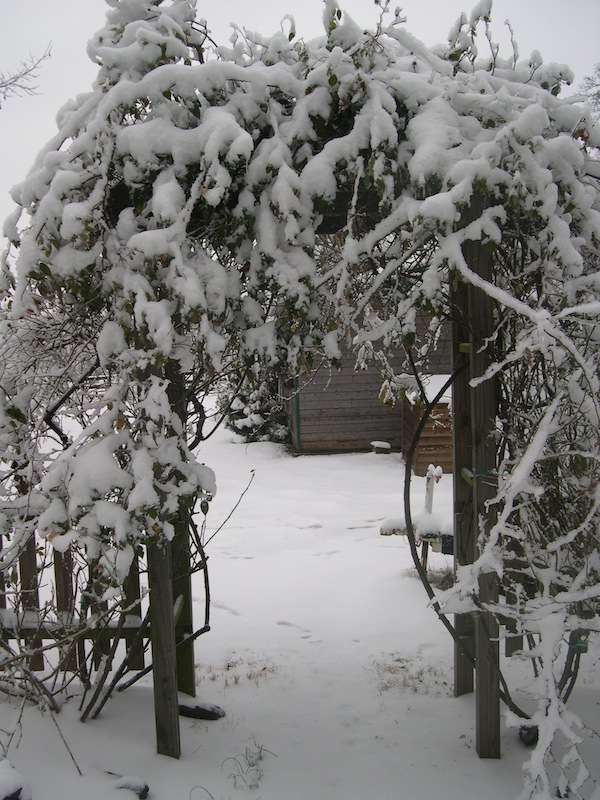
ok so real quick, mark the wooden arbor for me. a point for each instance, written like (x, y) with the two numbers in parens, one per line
(474, 411)
(94, 633)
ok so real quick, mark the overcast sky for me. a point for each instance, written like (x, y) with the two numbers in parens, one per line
(567, 31)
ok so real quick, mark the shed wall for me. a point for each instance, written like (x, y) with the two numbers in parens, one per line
(334, 410)
(340, 411)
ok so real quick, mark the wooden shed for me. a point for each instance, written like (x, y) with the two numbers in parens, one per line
(334, 411)
(338, 410)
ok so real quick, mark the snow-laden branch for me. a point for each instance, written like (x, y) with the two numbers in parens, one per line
(240, 214)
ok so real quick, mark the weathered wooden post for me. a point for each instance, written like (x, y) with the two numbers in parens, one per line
(181, 558)
(168, 594)
(162, 631)
(475, 409)
(28, 573)
(464, 540)
(132, 596)
(65, 601)
(169, 578)
(484, 411)
(182, 594)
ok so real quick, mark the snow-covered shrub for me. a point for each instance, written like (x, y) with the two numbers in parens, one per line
(176, 226)
(253, 406)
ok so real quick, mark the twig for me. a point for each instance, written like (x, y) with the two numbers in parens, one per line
(70, 752)
(131, 651)
(50, 412)
(146, 670)
(204, 568)
(102, 678)
(233, 510)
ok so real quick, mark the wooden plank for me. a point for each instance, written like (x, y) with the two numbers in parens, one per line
(315, 407)
(432, 439)
(343, 442)
(464, 539)
(63, 582)
(182, 592)
(101, 646)
(484, 409)
(28, 574)
(357, 423)
(487, 655)
(325, 428)
(181, 558)
(436, 436)
(327, 434)
(132, 600)
(343, 396)
(337, 448)
(166, 706)
(323, 381)
(345, 415)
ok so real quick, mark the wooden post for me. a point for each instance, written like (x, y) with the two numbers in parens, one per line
(63, 581)
(100, 643)
(484, 409)
(487, 690)
(182, 593)
(30, 598)
(182, 579)
(132, 599)
(162, 627)
(464, 540)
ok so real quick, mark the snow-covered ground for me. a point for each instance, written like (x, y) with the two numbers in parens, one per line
(335, 675)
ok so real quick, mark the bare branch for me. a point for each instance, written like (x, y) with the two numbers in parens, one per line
(23, 79)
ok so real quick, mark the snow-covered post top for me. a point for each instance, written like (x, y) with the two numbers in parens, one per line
(433, 476)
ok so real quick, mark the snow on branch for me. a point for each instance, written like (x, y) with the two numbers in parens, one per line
(241, 212)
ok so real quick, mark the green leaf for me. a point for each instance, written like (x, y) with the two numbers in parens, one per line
(409, 340)
(15, 413)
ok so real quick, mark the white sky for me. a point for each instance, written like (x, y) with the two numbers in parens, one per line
(566, 31)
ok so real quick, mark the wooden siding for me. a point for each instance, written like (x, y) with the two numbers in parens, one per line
(340, 411)
(435, 442)
(334, 410)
